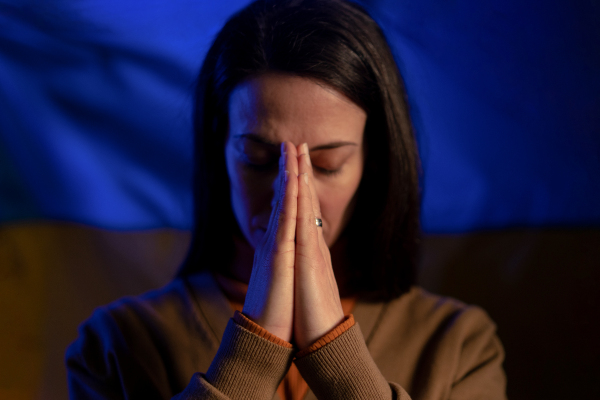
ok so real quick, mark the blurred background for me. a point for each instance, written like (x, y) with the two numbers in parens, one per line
(95, 169)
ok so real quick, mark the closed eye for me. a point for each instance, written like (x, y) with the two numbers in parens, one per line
(326, 172)
(259, 167)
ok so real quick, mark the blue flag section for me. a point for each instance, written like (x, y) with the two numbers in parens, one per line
(96, 102)
(506, 101)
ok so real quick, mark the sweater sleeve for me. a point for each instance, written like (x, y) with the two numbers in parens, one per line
(360, 379)
(102, 364)
(344, 369)
(471, 360)
(247, 366)
(253, 327)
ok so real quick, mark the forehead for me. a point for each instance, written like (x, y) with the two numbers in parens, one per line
(280, 107)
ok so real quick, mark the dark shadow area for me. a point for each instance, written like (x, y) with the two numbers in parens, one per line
(541, 288)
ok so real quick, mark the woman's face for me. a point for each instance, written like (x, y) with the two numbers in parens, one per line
(273, 108)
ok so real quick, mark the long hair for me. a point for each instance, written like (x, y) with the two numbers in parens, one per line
(338, 43)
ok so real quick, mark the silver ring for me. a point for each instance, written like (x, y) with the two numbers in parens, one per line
(319, 222)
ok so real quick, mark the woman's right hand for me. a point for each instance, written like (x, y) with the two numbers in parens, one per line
(270, 297)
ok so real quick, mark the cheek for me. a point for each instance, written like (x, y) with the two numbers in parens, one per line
(336, 199)
(238, 190)
(241, 197)
(250, 199)
(335, 203)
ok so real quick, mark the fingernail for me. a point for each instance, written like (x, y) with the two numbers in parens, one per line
(305, 148)
(287, 174)
(307, 158)
(305, 178)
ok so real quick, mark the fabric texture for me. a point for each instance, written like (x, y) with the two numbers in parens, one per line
(180, 342)
(248, 366)
(329, 337)
(293, 386)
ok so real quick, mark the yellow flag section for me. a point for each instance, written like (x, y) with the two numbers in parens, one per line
(540, 286)
(52, 276)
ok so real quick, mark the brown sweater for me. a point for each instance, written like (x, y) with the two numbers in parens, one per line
(293, 386)
(181, 340)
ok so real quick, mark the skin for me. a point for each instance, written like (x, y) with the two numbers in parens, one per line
(294, 152)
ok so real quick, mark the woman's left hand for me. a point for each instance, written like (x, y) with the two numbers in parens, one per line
(317, 306)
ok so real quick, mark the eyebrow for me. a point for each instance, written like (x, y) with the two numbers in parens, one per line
(327, 146)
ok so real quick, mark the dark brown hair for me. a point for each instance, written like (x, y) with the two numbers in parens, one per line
(338, 43)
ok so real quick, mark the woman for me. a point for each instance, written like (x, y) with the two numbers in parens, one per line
(307, 223)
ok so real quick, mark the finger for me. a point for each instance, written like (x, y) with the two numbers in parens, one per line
(288, 210)
(317, 306)
(307, 244)
(278, 196)
(270, 297)
(305, 166)
(283, 217)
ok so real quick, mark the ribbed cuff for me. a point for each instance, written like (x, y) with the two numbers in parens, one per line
(329, 337)
(255, 328)
(344, 369)
(248, 366)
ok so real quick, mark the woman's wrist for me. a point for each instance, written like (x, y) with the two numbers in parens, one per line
(246, 366)
(246, 323)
